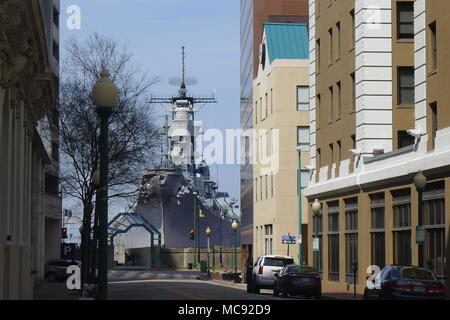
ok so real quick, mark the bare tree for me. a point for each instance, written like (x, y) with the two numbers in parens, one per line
(133, 136)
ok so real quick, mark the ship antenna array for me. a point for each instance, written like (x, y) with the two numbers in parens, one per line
(182, 93)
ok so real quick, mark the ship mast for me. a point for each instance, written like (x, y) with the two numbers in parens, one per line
(181, 133)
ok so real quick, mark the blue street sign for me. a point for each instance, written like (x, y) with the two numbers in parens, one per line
(288, 239)
(68, 250)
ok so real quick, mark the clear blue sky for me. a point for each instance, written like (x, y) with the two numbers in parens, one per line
(155, 30)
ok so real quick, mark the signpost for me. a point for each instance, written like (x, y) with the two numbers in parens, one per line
(316, 245)
(68, 251)
(288, 240)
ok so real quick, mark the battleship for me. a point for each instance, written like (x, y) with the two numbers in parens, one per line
(179, 196)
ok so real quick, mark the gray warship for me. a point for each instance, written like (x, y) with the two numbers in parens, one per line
(179, 195)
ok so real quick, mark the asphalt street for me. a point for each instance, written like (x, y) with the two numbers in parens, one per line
(160, 285)
(175, 285)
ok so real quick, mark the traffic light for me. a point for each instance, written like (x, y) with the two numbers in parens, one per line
(64, 233)
(191, 234)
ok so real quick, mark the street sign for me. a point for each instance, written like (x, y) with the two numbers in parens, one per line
(288, 239)
(316, 246)
(420, 235)
(68, 250)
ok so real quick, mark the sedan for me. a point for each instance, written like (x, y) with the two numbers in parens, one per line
(405, 283)
(298, 280)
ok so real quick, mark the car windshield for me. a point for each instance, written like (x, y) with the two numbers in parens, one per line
(298, 269)
(417, 274)
(277, 262)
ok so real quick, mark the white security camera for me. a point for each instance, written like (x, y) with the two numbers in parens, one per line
(356, 152)
(416, 133)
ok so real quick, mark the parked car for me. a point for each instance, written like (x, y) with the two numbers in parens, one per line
(263, 272)
(298, 280)
(56, 269)
(405, 283)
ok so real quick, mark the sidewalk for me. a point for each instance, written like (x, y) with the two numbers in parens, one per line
(330, 295)
(54, 291)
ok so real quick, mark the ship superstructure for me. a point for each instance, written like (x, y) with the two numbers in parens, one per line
(179, 194)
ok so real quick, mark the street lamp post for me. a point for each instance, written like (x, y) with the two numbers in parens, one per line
(420, 181)
(195, 193)
(234, 225)
(104, 95)
(316, 207)
(300, 218)
(208, 233)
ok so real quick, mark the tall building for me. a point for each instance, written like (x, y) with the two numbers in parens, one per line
(378, 99)
(253, 15)
(30, 203)
(281, 134)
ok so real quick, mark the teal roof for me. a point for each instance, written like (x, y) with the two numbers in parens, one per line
(287, 40)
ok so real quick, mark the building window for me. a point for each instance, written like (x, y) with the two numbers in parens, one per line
(269, 245)
(56, 17)
(333, 241)
(266, 106)
(55, 151)
(304, 179)
(271, 100)
(405, 20)
(402, 226)
(353, 106)
(318, 111)
(330, 43)
(432, 253)
(378, 244)
(433, 124)
(433, 47)
(318, 55)
(331, 146)
(339, 99)
(256, 112)
(351, 239)
(256, 189)
(338, 40)
(303, 137)
(268, 229)
(406, 86)
(56, 50)
(404, 139)
(271, 184)
(318, 237)
(51, 185)
(331, 111)
(261, 112)
(303, 98)
(353, 37)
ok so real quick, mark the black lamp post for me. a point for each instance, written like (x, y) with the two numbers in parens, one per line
(420, 181)
(234, 225)
(208, 233)
(105, 95)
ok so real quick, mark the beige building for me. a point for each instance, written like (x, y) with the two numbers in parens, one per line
(379, 115)
(281, 133)
(30, 204)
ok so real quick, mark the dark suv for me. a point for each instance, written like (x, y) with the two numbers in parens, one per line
(405, 283)
(56, 269)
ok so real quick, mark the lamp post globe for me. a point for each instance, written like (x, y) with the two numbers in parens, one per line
(234, 225)
(208, 231)
(316, 206)
(420, 181)
(105, 92)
